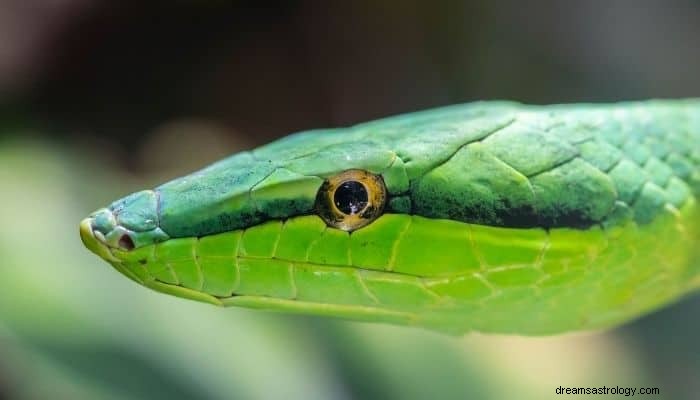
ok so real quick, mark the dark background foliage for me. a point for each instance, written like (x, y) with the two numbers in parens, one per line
(106, 97)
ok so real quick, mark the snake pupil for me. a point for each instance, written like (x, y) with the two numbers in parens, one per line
(351, 197)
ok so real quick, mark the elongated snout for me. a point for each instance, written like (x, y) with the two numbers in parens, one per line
(127, 223)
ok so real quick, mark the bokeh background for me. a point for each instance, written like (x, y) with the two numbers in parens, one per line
(99, 99)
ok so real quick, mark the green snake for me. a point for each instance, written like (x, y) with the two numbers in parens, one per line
(488, 216)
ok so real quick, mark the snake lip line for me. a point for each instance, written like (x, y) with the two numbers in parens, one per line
(90, 232)
(91, 240)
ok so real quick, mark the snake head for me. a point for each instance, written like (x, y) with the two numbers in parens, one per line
(486, 216)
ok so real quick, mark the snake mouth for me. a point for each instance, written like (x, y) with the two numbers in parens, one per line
(104, 226)
(94, 240)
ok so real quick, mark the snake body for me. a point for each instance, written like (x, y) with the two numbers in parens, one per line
(497, 217)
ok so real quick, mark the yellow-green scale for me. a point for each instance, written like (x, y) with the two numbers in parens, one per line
(474, 277)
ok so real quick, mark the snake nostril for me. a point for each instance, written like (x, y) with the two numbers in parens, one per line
(125, 242)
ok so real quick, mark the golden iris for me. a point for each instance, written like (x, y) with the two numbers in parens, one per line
(351, 199)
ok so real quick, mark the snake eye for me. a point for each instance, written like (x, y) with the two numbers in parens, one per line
(351, 199)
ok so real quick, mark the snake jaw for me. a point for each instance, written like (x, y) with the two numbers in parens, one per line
(94, 240)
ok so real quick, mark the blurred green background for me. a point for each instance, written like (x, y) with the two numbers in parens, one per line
(99, 99)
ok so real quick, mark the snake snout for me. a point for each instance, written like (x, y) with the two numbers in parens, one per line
(103, 221)
(104, 227)
(128, 223)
